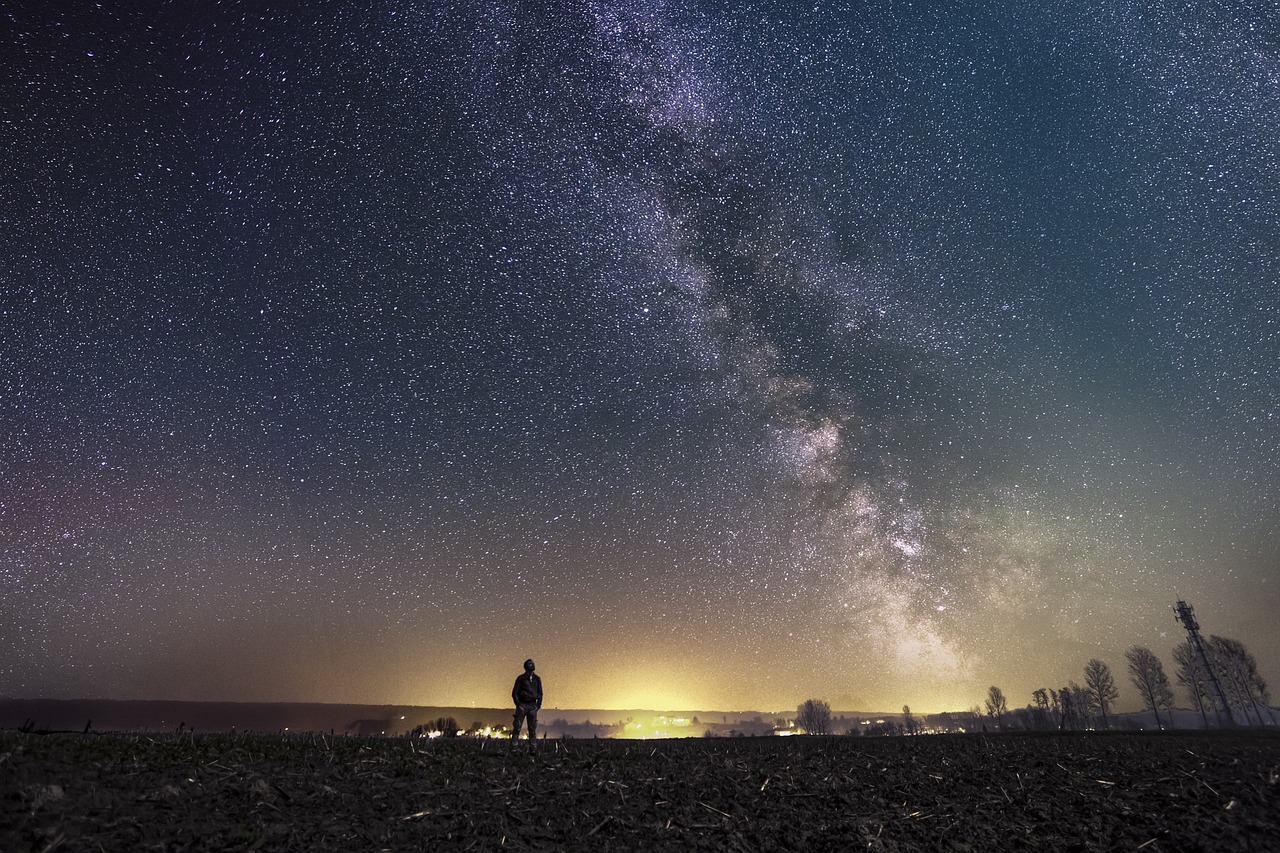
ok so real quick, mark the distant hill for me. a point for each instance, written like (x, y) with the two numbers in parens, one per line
(108, 715)
(159, 715)
(167, 716)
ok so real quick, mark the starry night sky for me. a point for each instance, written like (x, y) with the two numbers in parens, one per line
(715, 355)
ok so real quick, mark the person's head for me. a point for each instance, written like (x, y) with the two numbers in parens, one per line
(528, 665)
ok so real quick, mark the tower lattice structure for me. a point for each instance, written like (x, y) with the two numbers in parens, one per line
(1187, 616)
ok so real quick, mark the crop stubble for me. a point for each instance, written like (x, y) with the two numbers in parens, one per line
(1045, 792)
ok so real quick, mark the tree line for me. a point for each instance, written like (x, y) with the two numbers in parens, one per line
(1224, 683)
(1223, 686)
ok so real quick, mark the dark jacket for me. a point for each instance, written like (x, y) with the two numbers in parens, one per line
(528, 690)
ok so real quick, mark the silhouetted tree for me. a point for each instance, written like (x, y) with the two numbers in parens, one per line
(1042, 713)
(1238, 673)
(814, 716)
(1191, 675)
(1101, 686)
(1085, 706)
(1147, 674)
(908, 721)
(1056, 708)
(996, 704)
(1068, 718)
(1074, 706)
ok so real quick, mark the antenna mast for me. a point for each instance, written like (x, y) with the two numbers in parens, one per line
(1187, 616)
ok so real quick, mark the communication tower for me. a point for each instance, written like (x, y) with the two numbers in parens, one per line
(1187, 616)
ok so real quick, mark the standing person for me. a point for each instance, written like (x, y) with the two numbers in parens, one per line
(527, 694)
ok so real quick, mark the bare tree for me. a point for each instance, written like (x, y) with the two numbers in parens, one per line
(909, 723)
(1041, 697)
(1190, 674)
(997, 707)
(1147, 674)
(1083, 703)
(1058, 708)
(1068, 714)
(1238, 670)
(814, 716)
(1101, 686)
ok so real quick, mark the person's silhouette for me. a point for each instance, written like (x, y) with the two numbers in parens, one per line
(527, 694)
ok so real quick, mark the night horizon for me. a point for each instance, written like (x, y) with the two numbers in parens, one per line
(715, 357)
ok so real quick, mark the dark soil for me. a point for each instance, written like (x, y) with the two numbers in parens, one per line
(1151, 792)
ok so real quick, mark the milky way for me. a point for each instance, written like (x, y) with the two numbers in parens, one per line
(715, 355)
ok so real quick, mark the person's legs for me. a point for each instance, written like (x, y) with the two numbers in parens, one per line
(516, 720)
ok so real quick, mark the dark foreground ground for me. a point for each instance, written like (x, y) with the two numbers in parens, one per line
(1151, 792)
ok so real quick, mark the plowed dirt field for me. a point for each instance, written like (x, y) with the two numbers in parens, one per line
(1081, 792)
